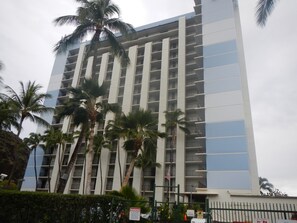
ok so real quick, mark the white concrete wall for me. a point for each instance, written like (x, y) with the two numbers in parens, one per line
(160, 172)
(113, 94)
(105, 152)
(181, 104)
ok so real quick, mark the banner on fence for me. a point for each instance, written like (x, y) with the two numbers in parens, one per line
(134, 214)
(190, 213)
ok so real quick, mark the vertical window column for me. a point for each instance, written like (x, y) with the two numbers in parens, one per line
(160, 172)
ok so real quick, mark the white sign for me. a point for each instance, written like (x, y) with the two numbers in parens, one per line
(134, 214)
(190, 213)
(197, 220)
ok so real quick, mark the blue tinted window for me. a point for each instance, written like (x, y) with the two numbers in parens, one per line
(227, 162)
(30, 171)
(59, 64)
(221, 129)
(219, 48)
(221, 72)
(223, 85)
(216, 10)
(226, 145)
(28, 183)
(220, 60)
(39, 157)
(51, 102)
(228, 180)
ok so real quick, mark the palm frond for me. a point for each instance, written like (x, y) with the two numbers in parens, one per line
(116, 47)
(67, 19)
(263, 10)
(111, 9)
(91, 87)
(115, 24)
(12, 95)
(1, 68)
(82, 1)
(78, 34)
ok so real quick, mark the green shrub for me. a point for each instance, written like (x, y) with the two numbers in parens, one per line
(5, 186)
(37, 207)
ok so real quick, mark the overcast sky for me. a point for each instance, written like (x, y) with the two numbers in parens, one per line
(27, 36)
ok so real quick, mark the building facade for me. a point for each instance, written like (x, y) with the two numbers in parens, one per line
(193, 62)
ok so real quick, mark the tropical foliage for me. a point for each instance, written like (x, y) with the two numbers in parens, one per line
(133, 200)
(100, 143)
(100, 18)
(174, 119)
(86, 109)
(55, 139)
(265, 186)
(8, 117)
(32, 142)
(14, 109)
(267, 189)
(263, 10)
(172, 214)
(14, 155)
(139, 130)
(48, 207)
(146, 160)
(28, 104)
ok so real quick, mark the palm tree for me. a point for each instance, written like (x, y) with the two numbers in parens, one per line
(99, 18)
(265, 186)
(130, 194)
(146, 160)
(263, 10)
(50, 143)
(28, 104)
(99, 143)
(174, 119)
(8, 118)
(139, 130)
(113, 133)
(86, 110)
(62, 140)
(14, 155)
(32, 142)
(55, 138)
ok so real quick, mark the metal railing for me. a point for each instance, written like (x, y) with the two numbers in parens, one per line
(249, 212)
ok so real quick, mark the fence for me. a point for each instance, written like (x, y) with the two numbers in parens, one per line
(250, 212)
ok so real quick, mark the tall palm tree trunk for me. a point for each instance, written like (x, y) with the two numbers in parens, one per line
(12, 169)
(119, 162)
(89, 160)
(129, 172)
(60, 157)
(60, 162)
(20, 126)
(49, 169)
(142, 183)
(35, 170)
(101, 178)
(172, 132)
(64, 178)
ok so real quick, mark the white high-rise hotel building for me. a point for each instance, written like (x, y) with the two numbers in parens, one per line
(193, 62)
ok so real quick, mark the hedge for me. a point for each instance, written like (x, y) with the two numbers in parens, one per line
(36, 207)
